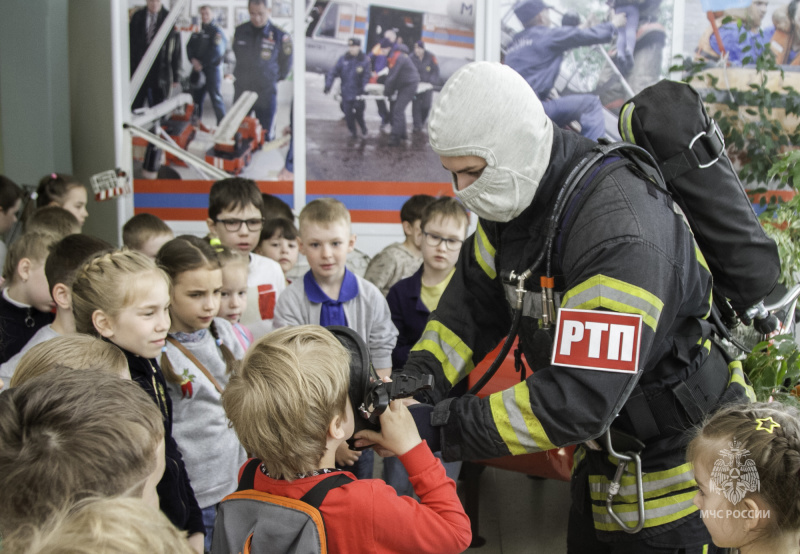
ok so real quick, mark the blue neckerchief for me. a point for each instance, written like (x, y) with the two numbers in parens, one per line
(332, 311)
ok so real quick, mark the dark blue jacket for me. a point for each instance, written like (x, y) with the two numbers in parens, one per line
(166, 67)
(402, 74)
(354, 71)
(17, 326)
(409, 315)
(263, 57)
(428, 68)
(175, 494)
(208, 46)
(536, 52)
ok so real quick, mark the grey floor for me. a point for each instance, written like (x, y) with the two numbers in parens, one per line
(518, 515)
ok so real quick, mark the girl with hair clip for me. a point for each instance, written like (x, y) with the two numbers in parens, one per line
(64, 191)
(747, 465)
(201, 353)
(233, 300)
(124, 298)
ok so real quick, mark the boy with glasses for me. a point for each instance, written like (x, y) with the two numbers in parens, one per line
(235, 220)
(411, 301)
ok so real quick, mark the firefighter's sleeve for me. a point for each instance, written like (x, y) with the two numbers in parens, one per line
(559, 406)
(470, 320)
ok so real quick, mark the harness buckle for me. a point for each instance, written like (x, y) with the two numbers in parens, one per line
(711, 133)
(614, 487)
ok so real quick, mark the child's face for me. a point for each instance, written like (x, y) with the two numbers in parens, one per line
(9, 217)
(245, 238)
(195, 299)
(151, 246)
(149, 494)
(37, 289)
(233, 298)
(75, 203)
(142, 326)
(326, 248)
(282, 250)
(725, 529)
(441, 257)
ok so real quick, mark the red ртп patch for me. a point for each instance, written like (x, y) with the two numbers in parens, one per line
(592, 339)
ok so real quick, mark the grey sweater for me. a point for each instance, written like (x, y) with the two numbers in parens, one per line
(367, 314)
(210, 449)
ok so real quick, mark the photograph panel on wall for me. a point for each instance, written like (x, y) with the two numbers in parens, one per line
(230, 64)
(372, 73)
(585, 58)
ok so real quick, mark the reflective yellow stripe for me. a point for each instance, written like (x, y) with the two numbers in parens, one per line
(700, 258)
(606, 292)
(518, 426)
(452, 352)
(654, 484)
(577, 457)
(484, 252)
(737, 378)
(705, 549)
(625, 126)
(706, 345)
(656, 512)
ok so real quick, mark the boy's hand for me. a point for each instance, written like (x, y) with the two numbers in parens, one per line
(345, 456)
(398, 431)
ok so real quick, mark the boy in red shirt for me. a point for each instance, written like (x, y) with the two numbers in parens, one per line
(290, 408)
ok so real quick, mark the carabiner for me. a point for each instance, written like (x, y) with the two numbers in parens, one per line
(614, 487)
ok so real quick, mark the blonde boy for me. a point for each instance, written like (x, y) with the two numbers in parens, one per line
(289, 406)
(26, 305)
(70, 353)
(330, 294)
(146, 233)
(63, 261)
(66, 436)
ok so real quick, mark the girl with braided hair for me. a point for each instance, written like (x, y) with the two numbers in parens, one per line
(747, 465)
(124, 298)
(201, 353)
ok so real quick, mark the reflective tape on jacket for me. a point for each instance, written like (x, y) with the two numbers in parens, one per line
(484, 252)
(659, 511)
(738, 378)
(612, 294)
(654, 484)
(447, 347)
(518, 426)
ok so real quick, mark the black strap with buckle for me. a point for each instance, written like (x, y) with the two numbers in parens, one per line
(703, 151)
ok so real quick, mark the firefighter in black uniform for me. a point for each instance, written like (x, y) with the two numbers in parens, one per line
(263, 57)
(428, 69)
(353, 69)
(403, 78)
(622, 248)
(206, 50)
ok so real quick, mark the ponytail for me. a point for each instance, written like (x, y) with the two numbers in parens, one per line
(168, 370)
(231, 363)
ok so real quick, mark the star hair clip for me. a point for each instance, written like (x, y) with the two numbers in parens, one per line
(766, 424)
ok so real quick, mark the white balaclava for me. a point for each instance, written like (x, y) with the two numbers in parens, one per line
(488, 110)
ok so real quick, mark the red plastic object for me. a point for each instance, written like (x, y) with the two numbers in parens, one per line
(553, 464)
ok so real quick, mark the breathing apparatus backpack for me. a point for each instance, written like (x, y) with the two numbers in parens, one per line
(669, 120)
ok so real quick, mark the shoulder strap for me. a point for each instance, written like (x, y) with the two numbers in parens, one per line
(318, 492)
(248, 480)
(196, 362)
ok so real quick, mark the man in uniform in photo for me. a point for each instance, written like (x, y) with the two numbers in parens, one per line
(263, 57)
(206, 51)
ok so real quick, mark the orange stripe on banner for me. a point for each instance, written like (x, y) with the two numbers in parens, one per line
(203, 187)
(456, 32)
(377, 188)
(374, 216)
(175, 214)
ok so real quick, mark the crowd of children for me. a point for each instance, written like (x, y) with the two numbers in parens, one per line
(145, 378)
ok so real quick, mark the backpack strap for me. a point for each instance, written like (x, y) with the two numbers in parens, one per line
(318, 492)
(248, 480)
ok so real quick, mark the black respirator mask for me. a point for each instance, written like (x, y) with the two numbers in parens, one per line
(370, 396)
